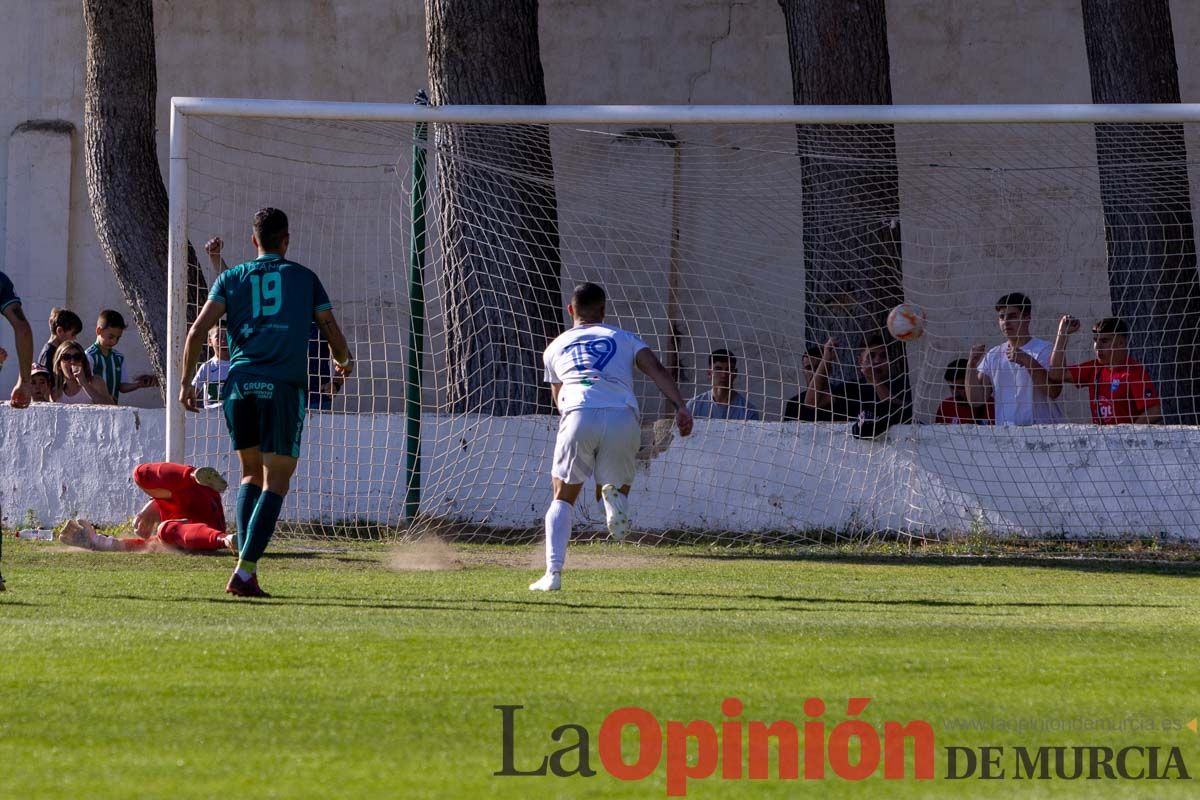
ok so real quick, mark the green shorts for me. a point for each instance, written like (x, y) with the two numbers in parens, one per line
(264, 413)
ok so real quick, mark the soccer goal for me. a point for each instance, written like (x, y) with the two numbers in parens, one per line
(449, 239)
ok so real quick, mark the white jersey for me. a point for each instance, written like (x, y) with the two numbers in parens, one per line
(208, 380)
(594, 363)
(1012, 386)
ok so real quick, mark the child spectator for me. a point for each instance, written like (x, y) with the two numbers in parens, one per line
(42, 385)
(1014, 374)
(108, 363)
(73, 378)
(212, 373)
(1119, 388)
(955, 409)
(722, 401)
(65, 325)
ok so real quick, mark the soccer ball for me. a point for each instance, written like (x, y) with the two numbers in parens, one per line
(906, 322)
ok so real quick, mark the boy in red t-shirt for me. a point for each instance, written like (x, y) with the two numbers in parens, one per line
(1120, 389)
(955, 409)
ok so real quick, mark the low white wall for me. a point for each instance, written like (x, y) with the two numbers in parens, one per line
(1077, 480)
(63, 461)
(728, 476)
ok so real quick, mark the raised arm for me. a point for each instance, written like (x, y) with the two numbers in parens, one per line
(213, 247)
(192, 347)
(648, 363)
(817, 394)
(1058, 372)
(977, 385)
(23, 334)
(339, 349)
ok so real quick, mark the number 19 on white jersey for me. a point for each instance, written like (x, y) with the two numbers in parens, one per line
(594, 363)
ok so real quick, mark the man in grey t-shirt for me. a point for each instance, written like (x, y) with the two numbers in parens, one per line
(722, 402)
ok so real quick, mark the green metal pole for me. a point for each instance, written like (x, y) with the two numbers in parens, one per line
(416, 322)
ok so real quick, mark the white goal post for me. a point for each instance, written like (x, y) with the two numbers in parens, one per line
(760, 230)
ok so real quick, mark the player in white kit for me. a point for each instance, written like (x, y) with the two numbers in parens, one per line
(590, 371)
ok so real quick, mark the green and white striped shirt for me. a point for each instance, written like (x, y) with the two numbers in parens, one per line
(109, 367)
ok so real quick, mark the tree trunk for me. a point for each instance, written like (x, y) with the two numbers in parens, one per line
(849, 178)
(125, 186)
(1146, 197)
(496, 207)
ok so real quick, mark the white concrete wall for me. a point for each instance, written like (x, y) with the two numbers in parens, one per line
(65, 461)
(726, 480)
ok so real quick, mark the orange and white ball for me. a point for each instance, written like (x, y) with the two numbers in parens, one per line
(906, 322)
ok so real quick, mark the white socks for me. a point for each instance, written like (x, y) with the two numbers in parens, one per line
(558, 532)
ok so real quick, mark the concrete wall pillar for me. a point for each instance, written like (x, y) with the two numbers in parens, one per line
(38, 212)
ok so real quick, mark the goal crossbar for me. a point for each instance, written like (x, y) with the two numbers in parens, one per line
(698, 114)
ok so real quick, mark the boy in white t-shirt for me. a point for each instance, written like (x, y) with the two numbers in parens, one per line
(1015, 374)
(211, 375)
(590, 372)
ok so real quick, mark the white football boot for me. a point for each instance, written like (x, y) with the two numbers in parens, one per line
(616, 511)
(550, 582)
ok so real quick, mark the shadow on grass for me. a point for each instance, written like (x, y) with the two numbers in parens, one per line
(554, 604)
(780, 598)
(297, 555)
(284, 600)
(1133, 565)
(427, 605)
(560, 605)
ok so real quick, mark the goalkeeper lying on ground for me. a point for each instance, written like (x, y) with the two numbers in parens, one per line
(184, 512)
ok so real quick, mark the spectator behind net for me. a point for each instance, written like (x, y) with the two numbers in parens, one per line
(722, 401)
(878, 401)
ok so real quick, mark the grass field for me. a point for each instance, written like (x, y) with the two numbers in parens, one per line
(127, 676)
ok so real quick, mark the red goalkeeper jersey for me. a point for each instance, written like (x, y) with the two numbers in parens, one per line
(189, 500)
(1119, 394)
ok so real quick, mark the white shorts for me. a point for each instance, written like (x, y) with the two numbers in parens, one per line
(603, 440)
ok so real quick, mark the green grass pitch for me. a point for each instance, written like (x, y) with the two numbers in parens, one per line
(127, 676)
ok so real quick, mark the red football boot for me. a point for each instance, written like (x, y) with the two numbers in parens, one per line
(241, 588)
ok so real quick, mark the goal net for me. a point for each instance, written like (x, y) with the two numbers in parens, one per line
(449, 250)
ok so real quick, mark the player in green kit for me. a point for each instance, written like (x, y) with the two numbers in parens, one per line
(268, 304)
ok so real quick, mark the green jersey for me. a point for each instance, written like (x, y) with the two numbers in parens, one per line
(269, 303)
